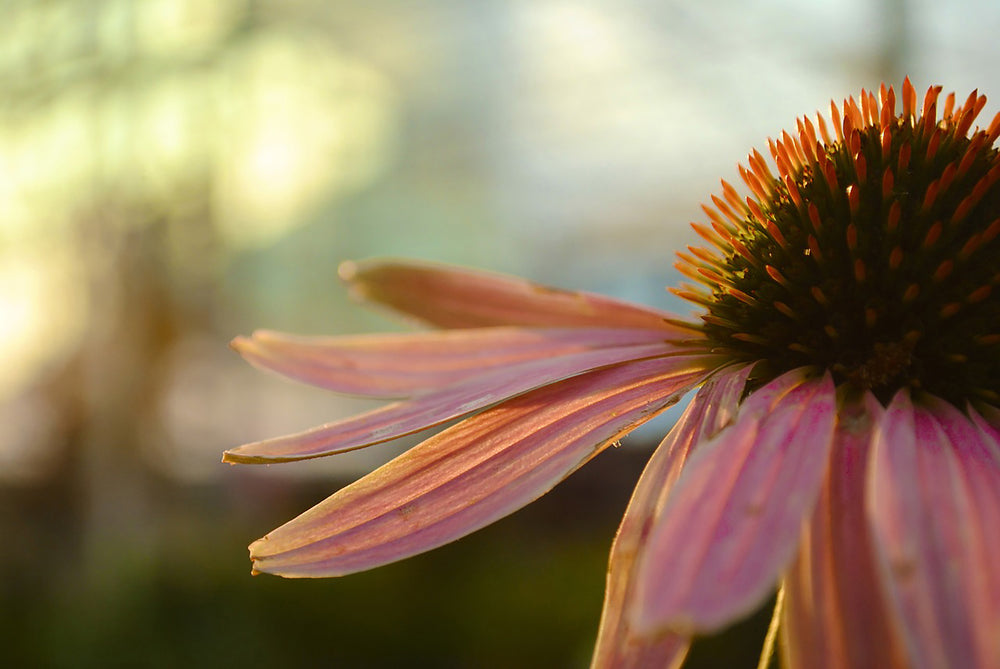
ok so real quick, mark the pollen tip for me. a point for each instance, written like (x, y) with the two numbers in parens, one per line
(814, 249)
(852, 237)
(895, 258)
(819, 296)
(686, 325)
(895, 213)
(950, 309)
(741, 296)
(854, 197)
(932, 236)
(989, 395)
(886, 139)
(943, 271)
(859, 270)
(909, 99)
(784, 309)
(904, 158)
(692, 295)
(979, 294)
(860, 166)
(750, 338)
(776, 274)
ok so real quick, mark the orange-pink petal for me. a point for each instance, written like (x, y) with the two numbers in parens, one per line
(835, 616)
(453, 297)
(733, 520)
(401, 365)
(617, 645)
(987, 419)
(934, 501)
(402, 418)
(474, 472)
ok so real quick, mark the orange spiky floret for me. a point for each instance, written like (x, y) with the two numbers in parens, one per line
(860, 204)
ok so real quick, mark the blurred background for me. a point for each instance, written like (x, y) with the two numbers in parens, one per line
(177, 172)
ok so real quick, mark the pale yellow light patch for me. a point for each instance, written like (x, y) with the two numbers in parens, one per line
(43, 318)
(303, 124)
(14, 207)
(42, 312)
(588, 36)
(179, 27)
(47, 160)
(175, 130)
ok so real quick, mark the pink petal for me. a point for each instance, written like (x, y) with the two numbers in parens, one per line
(452, 297)
(667, 650)
(402, 418)
(732, 522)
(474, 472)
(617, 645)
(934, 501)
(835, 616)
(399, 365)
(989, 622)
(987, 419)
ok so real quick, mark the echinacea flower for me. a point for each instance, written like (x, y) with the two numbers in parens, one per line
(843, 446)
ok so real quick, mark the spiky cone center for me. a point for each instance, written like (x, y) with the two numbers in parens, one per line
(873, 252)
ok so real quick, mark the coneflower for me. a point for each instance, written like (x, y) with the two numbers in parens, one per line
(843, 446)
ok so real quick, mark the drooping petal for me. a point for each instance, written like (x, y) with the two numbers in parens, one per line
(453, 297)
(618, 647)
(473, 473)
(401, 365)
(732, 521)
(978, 458)
(402, 418)
(835, 616)
(934, 502)
(988, 423)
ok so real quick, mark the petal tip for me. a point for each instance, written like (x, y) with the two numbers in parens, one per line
(240, 343)
(234, 457)
(264, 336)
(647, 624)
(347, 271)
(255, 566)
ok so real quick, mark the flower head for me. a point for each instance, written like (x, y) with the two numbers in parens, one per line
(843, 445)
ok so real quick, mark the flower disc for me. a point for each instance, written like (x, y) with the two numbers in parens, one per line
(873, 253)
